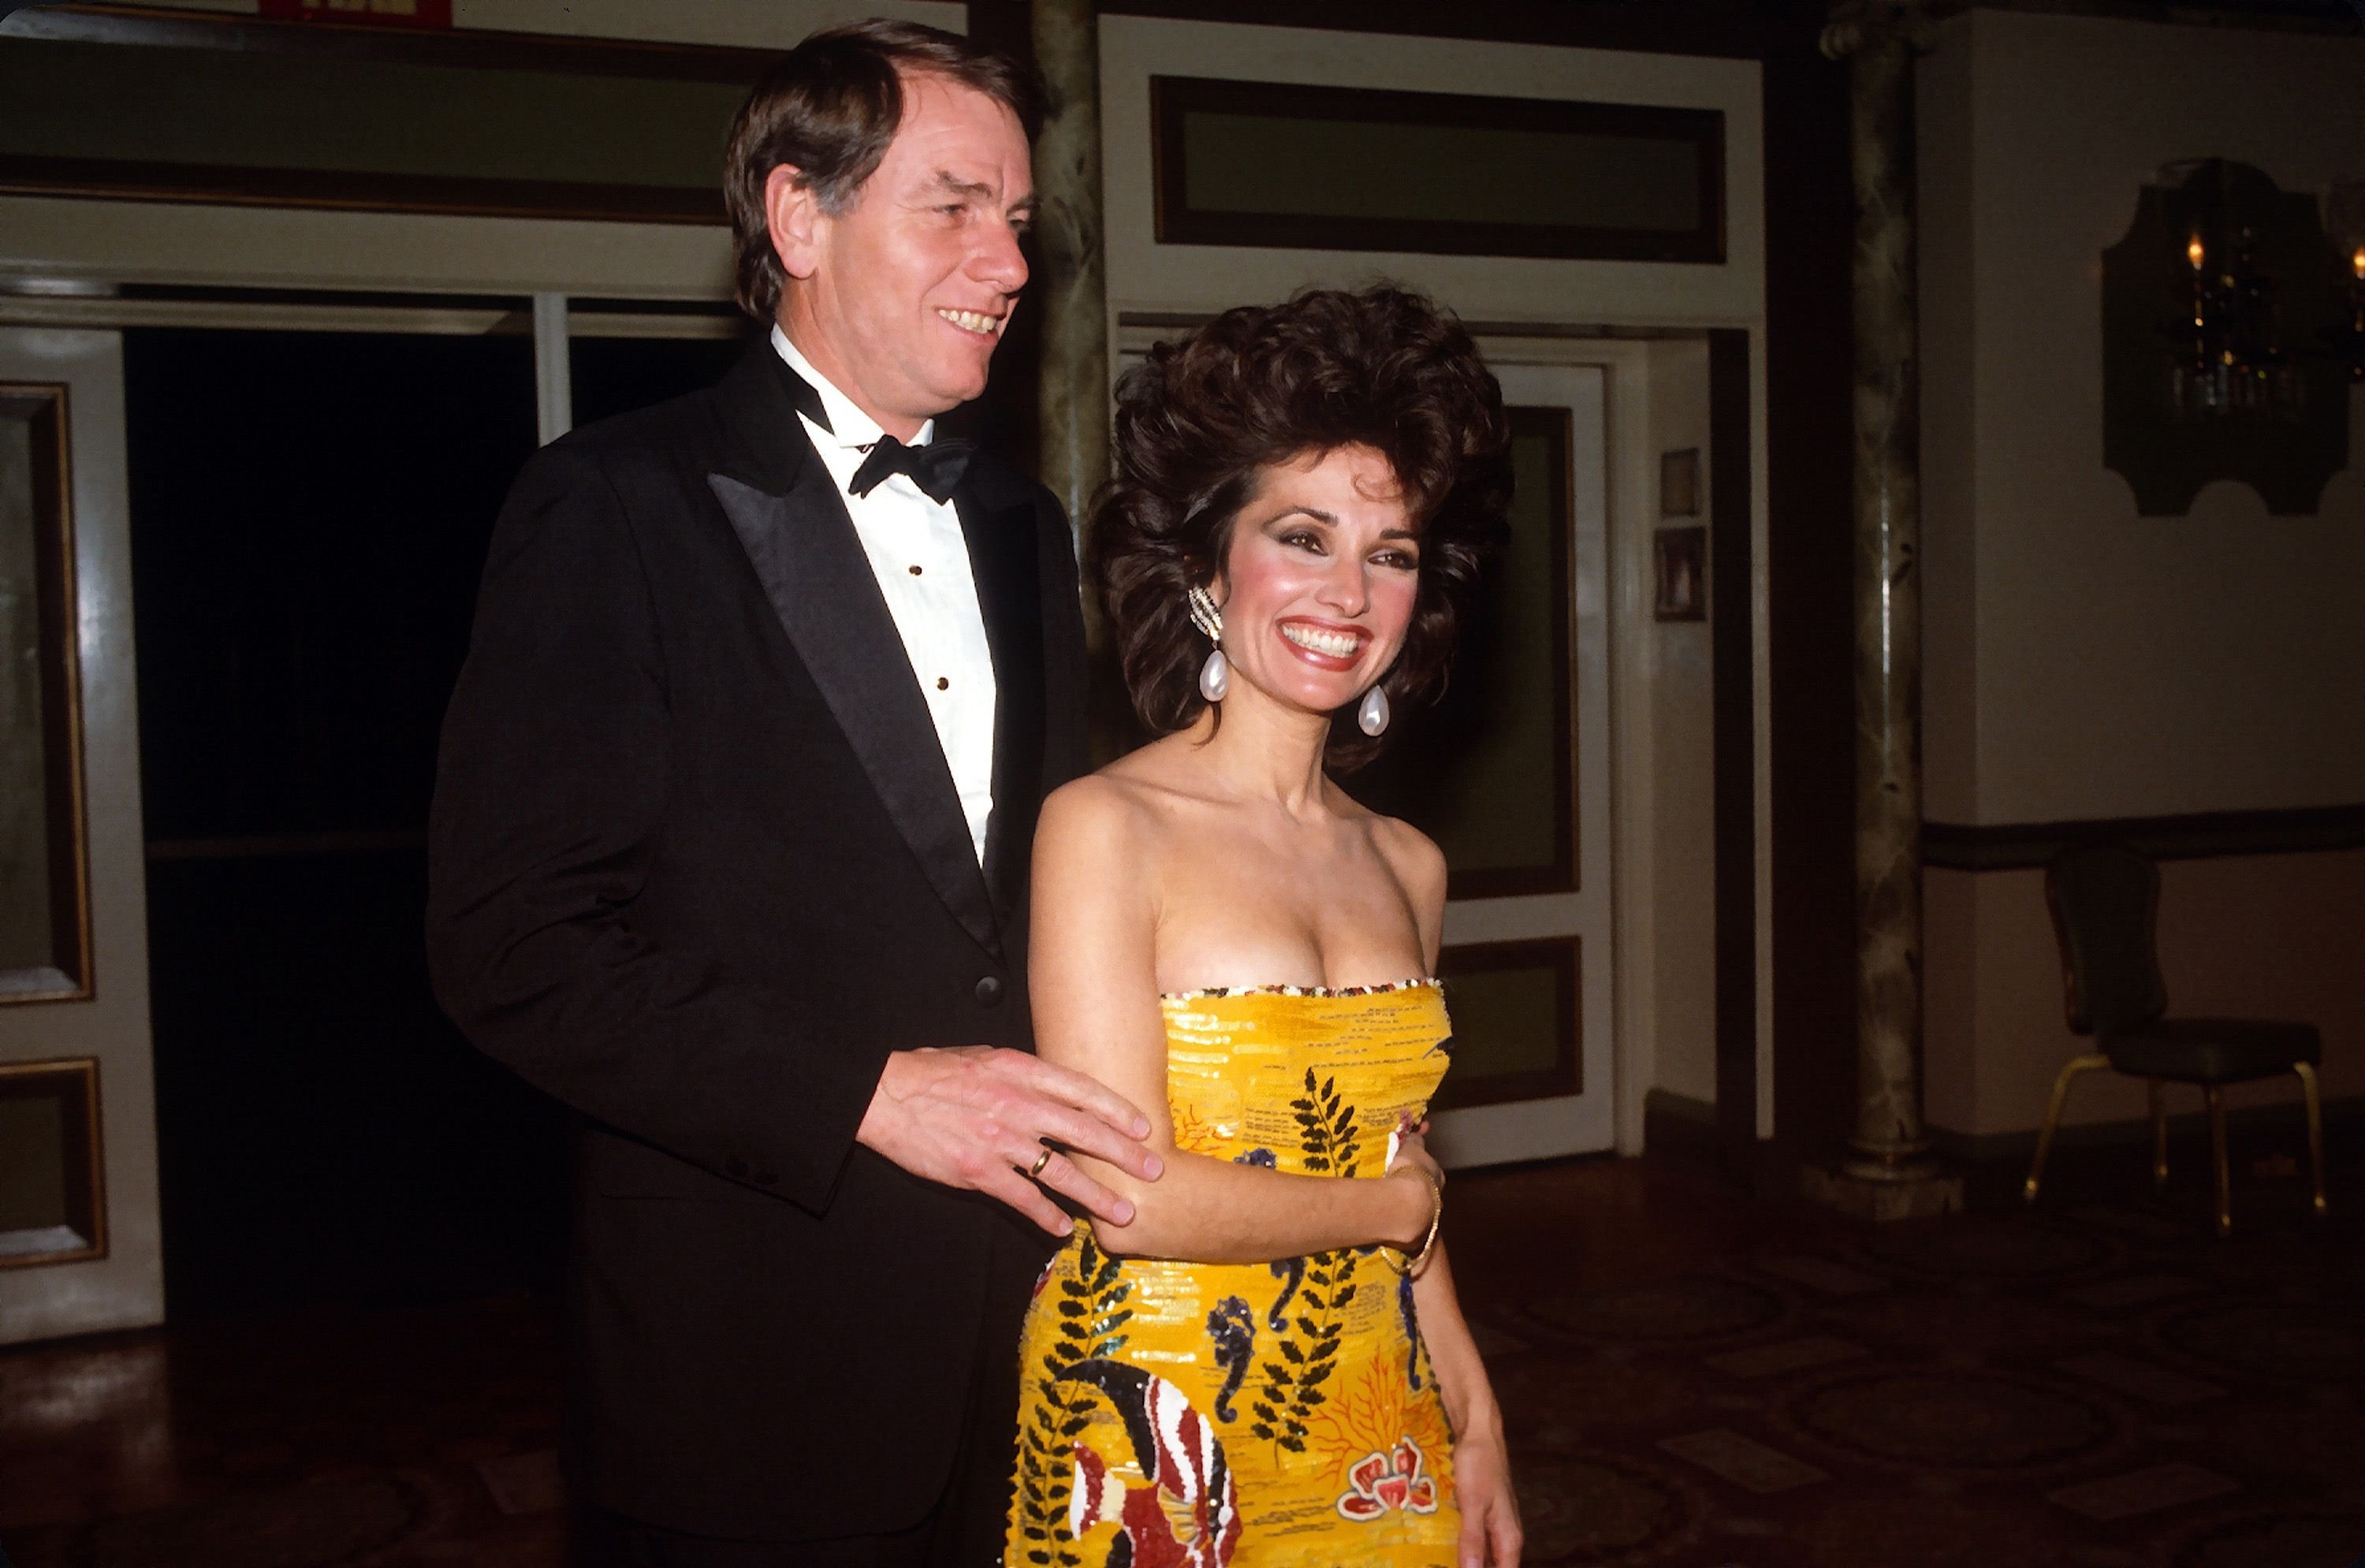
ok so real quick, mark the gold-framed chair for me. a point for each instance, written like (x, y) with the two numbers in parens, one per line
(2105, 904)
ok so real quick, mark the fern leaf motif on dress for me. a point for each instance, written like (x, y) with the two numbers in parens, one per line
(1092, 1309)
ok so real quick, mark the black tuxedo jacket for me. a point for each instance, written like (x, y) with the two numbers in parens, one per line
(697, 865)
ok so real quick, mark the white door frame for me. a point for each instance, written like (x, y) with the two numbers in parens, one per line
(124, 1287)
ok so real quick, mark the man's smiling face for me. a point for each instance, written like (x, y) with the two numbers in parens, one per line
(901, 299)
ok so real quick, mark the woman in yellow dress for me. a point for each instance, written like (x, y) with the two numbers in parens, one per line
(1266, 1368)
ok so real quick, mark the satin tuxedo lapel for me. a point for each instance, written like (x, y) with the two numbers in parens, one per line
(998, 522)
(801, 540)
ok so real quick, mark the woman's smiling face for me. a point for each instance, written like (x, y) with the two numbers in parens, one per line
(1319, 579)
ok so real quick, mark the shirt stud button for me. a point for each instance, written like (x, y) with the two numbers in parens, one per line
(915, 571)
(944, 683)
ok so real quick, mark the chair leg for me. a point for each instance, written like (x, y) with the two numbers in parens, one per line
(2158, 1136)
(2053, 1119)
(2315, 1129)
(2217, 1147)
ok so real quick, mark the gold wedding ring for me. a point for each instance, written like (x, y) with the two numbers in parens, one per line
(1035, 1171)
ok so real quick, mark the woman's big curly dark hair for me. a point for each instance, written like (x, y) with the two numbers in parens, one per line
(1262, 385)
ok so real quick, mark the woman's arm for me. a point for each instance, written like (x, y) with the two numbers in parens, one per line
(1481, 1474)
(1092, 983)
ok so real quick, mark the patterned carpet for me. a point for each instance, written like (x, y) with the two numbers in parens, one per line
(2105, 1388)
(2099, 1385)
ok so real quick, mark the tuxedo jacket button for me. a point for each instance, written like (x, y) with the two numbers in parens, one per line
(989, 990)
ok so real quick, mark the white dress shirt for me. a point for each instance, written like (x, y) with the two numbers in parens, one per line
(921, 559)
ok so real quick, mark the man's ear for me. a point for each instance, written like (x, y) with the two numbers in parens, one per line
(792, 212)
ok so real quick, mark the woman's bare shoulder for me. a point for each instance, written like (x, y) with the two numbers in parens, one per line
(1098, 807)
(1121, 807)
(1417, 864)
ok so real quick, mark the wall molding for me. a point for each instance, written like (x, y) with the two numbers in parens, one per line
(2342, 1116)
(559, 53)
(1679, 1127)
(2012, 847)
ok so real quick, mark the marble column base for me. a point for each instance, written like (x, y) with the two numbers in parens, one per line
(1898, 1193)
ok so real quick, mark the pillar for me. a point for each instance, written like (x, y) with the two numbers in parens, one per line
(1888, 1171)
(1070, 287)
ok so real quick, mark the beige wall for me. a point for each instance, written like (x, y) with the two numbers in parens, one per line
(2084, 662)
(2260, 935)
(1683, 826)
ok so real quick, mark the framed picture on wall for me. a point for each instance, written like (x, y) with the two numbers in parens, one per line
(1682, 555)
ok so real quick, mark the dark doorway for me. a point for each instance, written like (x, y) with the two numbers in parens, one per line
(309, 516)
(615, 375)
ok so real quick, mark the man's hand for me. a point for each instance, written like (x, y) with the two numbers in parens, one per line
(978, 1118)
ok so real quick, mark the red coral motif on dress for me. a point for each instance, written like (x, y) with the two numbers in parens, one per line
(1189, 1515)
(1380, 1482)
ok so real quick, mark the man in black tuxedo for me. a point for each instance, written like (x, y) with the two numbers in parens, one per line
(730, 847)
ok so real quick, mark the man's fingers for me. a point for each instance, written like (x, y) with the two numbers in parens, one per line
(1089, 1095)
(1022, 1195)
(1062, 1177)
(1088, 1135)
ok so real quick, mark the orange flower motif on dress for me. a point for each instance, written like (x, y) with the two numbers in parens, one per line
(1194, 1133)
(1372, 1409)
(1384, 1481)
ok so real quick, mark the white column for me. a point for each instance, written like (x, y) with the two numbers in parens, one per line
(553, 387)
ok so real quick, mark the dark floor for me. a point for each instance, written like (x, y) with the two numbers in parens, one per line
(1693, 1379)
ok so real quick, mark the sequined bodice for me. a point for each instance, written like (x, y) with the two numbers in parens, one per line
(1301, 1078)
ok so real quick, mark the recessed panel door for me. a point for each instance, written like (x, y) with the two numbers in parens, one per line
(1510, 774)
(79, 1243)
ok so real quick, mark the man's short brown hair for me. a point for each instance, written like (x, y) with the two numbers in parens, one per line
(829, 109)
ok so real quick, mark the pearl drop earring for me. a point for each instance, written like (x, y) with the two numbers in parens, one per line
(1216, 675)
(1371, 718)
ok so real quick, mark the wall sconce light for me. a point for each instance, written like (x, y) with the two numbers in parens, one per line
(2356, 318)
(2344, 217)
(2228, 340)
(2230, 363)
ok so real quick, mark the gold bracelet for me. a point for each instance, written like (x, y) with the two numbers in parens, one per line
(1414, 1263)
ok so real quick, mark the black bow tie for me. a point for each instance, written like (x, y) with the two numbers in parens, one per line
(937, 467)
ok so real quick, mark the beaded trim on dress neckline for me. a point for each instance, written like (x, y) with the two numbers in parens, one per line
(1210, 992)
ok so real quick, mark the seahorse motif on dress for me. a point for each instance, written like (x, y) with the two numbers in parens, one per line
(1233, 1328)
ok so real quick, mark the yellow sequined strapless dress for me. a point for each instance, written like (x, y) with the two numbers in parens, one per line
(1265, 1415)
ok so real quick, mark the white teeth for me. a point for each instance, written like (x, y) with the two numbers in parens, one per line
(1338, 644)
(974, 321)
